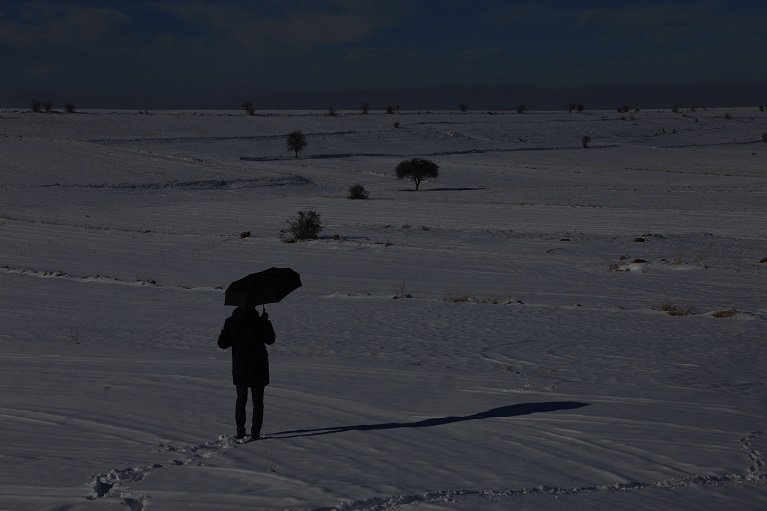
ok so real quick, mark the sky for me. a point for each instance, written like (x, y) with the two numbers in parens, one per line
(413, 53)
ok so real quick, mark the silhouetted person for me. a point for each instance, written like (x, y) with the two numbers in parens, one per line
(247, 334)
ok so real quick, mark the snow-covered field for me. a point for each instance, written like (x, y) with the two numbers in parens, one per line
(530, 365)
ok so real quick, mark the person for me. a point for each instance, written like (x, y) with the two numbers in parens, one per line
(248, 333)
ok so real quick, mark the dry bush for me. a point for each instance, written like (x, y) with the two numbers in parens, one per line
(306, 225)
(456, 296)
(358, 192)
(727, 313)
(674, 310)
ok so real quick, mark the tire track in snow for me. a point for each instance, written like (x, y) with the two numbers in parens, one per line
(754, 474)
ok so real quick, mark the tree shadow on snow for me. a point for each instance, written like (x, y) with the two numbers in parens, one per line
(502, 412)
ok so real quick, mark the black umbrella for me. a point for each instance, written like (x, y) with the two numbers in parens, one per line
(268, 286)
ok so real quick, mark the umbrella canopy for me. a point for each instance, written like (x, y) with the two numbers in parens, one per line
(268, 286)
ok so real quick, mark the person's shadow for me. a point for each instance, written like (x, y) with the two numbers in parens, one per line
(502, 412)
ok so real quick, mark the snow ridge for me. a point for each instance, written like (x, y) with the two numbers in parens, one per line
(112, 484)
(754, 474)
(99, 278)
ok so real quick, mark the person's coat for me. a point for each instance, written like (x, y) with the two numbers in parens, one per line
(247, 334)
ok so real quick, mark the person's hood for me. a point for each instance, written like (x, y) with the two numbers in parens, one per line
(241, 312)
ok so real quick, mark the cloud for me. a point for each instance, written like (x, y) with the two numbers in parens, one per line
(288, 25)
(60, 26)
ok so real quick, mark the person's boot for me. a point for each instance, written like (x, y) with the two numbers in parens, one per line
(240, 434)
(255, 435)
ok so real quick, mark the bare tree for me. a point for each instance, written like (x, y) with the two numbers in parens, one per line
(366, 107)
(417, 169)
(296, 141)
(248, 106)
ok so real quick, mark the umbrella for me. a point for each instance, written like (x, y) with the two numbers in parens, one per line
(268, 286)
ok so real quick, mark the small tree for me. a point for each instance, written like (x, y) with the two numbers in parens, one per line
(764, 137)
(48, 105)
(306, 225)
(417, 169)
(248, 106)
(332, 112)
(36, 105)
(366, 107)
(358, 192)
(521, 109)
(580, 107)
(69, 107)
(464, 107)
(585, 139)
(296, 141)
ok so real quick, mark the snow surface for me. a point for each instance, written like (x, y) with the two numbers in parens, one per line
(529, 365)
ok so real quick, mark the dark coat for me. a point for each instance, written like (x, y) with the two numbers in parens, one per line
(247, 333)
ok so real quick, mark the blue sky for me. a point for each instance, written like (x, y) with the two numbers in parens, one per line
(216, 53)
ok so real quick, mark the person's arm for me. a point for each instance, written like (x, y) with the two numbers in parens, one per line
(267, 330)
(224, 339)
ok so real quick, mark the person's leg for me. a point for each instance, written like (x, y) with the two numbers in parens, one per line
(239, 410)
(258, 411)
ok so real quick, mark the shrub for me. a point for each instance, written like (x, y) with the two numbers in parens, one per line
(726, 313)
(675, 109)
(48, 105)
(366, 107)
(521, 109)
(456, 296)
(390, 110)
(306, 225)
(761, 108)
(417, 169)
(673, 310)
(36, 105)
(624, 109)
(69, 108)
(585, 139)
(764, 137)
(728, 116)
(248, 106)
(358, 192)
(332, 112)
(464, 107)
(296, 142)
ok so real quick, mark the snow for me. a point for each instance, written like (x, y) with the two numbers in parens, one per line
(527, 366)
